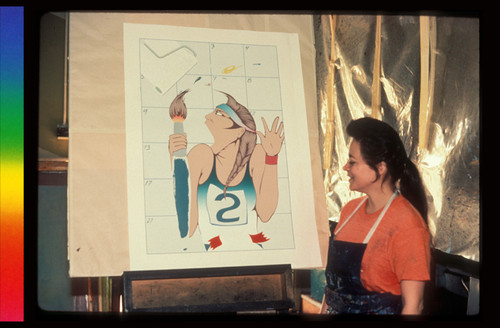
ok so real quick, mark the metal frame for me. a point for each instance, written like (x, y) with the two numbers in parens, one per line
(208, 282)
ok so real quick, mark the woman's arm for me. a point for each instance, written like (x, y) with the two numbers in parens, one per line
(265, 180)
(412, 292)
(265, 175)
(200, 161)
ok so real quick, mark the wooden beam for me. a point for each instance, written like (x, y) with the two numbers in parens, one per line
(54, 164)
(428, 37)
(330, 122)
(376, 112)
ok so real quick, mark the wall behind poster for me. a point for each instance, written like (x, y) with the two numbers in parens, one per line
(97, 185)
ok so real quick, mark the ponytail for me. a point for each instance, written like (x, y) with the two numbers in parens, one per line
(412, 188)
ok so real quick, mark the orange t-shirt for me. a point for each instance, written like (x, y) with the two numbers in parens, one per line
(398, 250)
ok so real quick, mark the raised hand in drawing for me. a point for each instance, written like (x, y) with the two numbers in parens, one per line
(272, 139)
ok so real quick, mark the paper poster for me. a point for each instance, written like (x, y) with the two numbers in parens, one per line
(218, 164)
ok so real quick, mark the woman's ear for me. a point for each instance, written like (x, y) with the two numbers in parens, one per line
(382, 168)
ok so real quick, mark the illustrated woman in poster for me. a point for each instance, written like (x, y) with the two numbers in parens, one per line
(233, 183)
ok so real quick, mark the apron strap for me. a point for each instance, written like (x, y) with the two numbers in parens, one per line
(375, 225)
(350, 216)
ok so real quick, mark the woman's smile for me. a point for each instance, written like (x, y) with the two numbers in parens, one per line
(361, 176)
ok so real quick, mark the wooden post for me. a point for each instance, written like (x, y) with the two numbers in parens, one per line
(428, 38)
(90, 297)
(105, 294)
(328, 143)
(376, 113)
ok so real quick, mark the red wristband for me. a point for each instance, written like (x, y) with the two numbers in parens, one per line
(272, 160)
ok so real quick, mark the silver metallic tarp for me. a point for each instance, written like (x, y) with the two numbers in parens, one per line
(427, 69)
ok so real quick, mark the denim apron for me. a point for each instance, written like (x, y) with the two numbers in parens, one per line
(344, 291)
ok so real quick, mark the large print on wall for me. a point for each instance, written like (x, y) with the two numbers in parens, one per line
(218, 164)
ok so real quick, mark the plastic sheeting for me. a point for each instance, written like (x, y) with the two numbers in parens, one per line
(427, 71)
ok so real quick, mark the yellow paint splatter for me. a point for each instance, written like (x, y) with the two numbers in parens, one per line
(230, 69)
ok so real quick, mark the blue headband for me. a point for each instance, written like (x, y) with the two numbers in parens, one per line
(232, 114)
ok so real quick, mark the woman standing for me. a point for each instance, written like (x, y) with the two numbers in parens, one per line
(379, 255)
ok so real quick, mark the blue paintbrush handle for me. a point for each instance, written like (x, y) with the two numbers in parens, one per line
(181, 194)
(181, 185)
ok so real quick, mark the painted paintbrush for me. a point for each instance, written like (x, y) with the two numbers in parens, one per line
(178, 113)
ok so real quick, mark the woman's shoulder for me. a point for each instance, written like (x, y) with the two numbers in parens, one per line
(201, 156)
(202, 150)
(404, 214)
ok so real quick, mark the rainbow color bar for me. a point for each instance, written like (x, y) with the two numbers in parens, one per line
(11, 164)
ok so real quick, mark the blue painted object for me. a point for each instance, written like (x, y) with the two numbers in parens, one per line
(181, 194)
